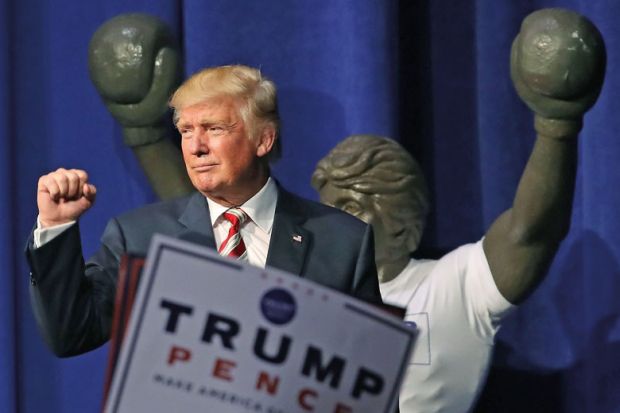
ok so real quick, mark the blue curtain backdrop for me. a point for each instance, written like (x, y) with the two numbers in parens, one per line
(431, 74)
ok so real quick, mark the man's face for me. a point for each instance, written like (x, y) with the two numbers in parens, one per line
(221, 161)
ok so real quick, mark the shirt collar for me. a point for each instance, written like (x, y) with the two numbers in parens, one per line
(261, 208)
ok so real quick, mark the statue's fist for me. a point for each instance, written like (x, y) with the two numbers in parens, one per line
(134, 63)
(63, 196)
(558, 63)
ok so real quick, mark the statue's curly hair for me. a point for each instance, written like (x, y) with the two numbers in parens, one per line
(382, 169)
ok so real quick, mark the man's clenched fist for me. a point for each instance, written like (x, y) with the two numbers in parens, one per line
(63, 196)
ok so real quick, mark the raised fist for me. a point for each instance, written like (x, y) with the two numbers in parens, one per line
(63, 196)
(134, 63)
(557, 65)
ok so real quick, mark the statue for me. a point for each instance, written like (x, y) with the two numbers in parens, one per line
(457, 302)
(134, 64)
(557, 66)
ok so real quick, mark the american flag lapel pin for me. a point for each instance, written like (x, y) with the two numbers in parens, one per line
(297, 238)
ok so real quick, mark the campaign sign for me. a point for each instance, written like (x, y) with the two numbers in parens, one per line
(209, 334)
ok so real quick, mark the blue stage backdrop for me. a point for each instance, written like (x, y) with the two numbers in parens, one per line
(430, 74)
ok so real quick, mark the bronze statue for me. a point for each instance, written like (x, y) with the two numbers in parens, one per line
(135, 65)
(457, 303)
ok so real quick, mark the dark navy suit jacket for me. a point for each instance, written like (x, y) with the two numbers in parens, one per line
(73, 301)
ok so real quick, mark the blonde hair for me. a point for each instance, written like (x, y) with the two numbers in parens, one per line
(257, 94)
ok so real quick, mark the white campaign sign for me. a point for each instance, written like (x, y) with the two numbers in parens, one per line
(208, 334)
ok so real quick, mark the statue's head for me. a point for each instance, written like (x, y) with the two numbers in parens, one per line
(377, 180)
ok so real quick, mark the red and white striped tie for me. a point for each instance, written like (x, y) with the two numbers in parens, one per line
(233, 246)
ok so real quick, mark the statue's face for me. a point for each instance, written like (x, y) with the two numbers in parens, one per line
(357, 204)
(391, 255)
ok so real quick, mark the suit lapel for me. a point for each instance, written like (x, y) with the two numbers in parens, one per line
(197, 222)
(289, 240)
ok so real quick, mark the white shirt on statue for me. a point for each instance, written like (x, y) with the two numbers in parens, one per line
(457, 309)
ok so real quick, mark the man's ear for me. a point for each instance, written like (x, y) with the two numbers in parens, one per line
(266, 140)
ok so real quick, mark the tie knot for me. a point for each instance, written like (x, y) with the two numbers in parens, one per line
(236, 216)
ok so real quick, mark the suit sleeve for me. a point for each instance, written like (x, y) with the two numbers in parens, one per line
(73, 301)
(366, 280)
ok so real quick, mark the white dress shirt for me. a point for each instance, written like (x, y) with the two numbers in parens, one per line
(256, 231)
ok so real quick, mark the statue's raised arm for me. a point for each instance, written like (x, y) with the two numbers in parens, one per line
(557, 66)
(134, 63)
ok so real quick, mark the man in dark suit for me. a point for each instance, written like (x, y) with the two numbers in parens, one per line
(228, 121)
